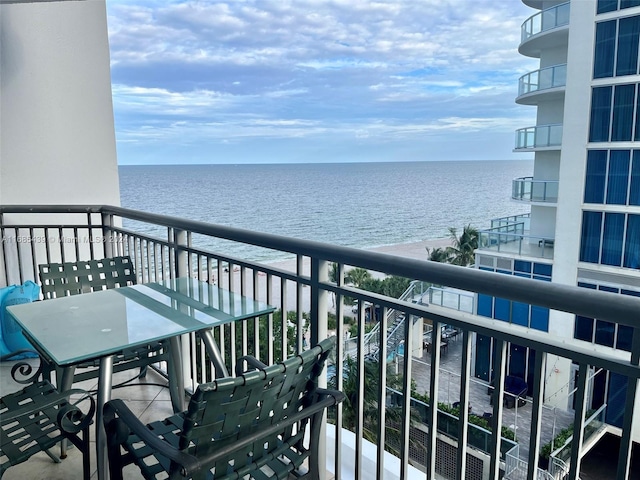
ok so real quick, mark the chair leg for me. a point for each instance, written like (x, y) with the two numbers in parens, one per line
(143, 372)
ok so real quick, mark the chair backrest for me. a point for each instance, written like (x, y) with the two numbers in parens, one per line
(229, 409)
(72, 278)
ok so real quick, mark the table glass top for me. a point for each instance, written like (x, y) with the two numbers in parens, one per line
(81, 327)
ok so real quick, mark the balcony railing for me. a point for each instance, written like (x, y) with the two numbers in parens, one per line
(543, 79)
(539, 137)
(526, 189)
(164, 247)
(545, 20)
(524, 218)
(514, 238)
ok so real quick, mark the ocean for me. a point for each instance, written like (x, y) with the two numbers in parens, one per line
(359, 205)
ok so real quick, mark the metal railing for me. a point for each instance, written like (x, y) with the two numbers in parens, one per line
(543, 79)
(513, 238)
(540, 136)
(177, 247)
(528, 189)
(524, 218)
(545, 20)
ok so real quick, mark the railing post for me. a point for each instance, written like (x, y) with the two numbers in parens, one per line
(110, 249)
(180, 239)
(318, 327)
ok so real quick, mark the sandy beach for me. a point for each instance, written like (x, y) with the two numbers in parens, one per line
(416, 250)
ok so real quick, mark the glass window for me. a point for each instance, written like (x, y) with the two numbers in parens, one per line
(628, 37)
(540, 318)
(600, 114)
(623, 102)
(590, 240)
(604, 49)
(604, 333)
(637, 135)
(612, 239)
(616, 399)
(625, 337)
(596, 174)
(485, 305)
(583, 328)
(632, 242)
(628, 3)
(520, 314)
(542, 269)
(502, 309)
(634, 190)
(618, 178)
(607, 6)
(522, 266)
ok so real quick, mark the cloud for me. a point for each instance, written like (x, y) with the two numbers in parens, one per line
(361, 69)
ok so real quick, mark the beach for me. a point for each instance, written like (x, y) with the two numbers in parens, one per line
(414, 250)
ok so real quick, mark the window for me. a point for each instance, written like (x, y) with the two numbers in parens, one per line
(604, 49)
(628, 39)
(596, 175)
(590, 239)
(618, 178)
(612, 177)
(632, 245)
(607, 250)
(600, 114)
(601, 332)
(616, 47)
(623, 102)
(634, 190)
(605, 6)
(612, 239)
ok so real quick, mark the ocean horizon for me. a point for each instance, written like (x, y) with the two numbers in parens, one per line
(357, 204)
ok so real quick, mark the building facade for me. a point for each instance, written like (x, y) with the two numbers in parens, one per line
(584, 225)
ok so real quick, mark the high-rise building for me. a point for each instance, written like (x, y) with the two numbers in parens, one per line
(584, 225)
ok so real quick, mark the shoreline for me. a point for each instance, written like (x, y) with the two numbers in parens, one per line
(414, 250)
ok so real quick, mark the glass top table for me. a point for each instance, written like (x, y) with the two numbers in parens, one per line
(98, 325)
(73, 329)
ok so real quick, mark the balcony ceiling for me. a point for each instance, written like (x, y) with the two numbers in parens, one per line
(543, 40)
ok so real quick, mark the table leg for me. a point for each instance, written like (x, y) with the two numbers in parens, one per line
(176, 377)
(104, 395)
(214, 352)
(65, 383)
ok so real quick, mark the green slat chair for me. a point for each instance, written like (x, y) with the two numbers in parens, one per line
(73, 278)
(38, 417)
(250, 426)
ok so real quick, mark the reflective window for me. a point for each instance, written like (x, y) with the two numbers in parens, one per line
(605, 6)
(618, 178)
(590, 239)
(612, 239)
(605, 49)
(632, 242)
(612, 114)
(600, 114)
(596, 176)
(628, 39)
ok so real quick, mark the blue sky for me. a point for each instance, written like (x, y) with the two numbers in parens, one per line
(278, 81)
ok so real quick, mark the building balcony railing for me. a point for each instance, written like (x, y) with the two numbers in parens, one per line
(526, 189)
(543, 79)
(372, 442)
(515, 239)
(524, 218)
(545, 20)
(539, 137)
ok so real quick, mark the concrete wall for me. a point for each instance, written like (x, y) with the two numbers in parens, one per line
(56, 114)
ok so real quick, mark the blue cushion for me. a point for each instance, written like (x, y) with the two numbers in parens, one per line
(12, 337)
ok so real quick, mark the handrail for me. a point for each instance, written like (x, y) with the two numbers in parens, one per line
(545, 20)
(607, 306)
(543, 79)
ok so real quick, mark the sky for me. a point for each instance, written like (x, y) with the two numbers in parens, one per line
(281, 81)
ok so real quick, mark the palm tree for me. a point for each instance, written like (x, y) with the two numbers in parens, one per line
(438, 254)
(357, 276)
(463, 247)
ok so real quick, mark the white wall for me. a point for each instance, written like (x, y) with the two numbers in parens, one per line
(57, 139)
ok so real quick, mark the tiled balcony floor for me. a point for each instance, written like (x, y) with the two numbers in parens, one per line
(149, 402)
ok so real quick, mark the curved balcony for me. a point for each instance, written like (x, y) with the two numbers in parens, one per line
(546, 81)
(544, 29)
(526, 189)
(541, 137)
(515, 239)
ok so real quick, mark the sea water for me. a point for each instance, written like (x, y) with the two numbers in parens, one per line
(352, 204)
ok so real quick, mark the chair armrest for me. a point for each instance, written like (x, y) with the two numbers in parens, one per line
(70, 418)
(118, 428)
(252, 364)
